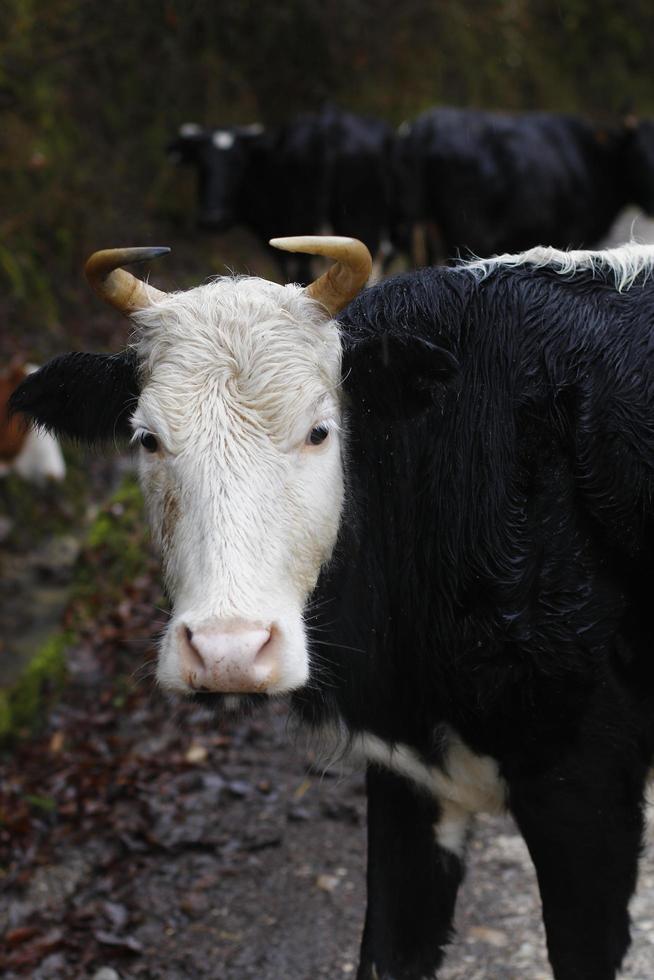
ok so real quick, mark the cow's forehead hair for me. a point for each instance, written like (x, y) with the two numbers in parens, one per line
(266, 346)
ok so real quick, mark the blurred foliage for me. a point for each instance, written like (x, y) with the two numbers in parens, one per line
(117, 547)
(39, 511)
(90, 93)
(38, 685)
(115, 557)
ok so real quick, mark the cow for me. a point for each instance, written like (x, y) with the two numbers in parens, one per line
(468, 181)
(32, 454)
(331, 168)
(425, 512)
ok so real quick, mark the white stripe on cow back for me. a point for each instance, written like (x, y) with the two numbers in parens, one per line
(626, 263)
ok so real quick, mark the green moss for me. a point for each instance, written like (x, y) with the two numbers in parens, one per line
(117, 540)
(5, 715)
(121, 517)
(115, 551)
(40, 682)
(45, 804)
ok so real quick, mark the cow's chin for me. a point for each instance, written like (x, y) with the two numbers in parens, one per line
(231, 706)
(233, 659)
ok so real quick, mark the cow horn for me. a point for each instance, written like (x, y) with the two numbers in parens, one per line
(117, 287)
(344, 279)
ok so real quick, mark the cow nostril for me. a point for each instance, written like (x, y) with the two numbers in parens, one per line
(190, 652)
(264, 644)
(266, 651)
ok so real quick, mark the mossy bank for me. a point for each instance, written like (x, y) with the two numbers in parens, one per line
(113, 550)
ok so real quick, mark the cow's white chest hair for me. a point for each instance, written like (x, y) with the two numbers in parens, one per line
(465, 783)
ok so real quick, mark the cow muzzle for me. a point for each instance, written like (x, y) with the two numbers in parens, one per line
(229, 656)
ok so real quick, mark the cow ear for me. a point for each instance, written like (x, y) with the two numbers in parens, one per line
(89, 397)
(396, 377)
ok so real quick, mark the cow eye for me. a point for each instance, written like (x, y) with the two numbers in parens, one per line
(149, 442)
(317, 435)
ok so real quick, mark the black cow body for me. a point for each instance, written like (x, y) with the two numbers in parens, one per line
(507, 597)
(326, 169)
(359, 151)
(489, 596)
(490, 182)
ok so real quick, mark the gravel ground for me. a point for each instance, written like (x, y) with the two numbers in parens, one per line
(252, 867)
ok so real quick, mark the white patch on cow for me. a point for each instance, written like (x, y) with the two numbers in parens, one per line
(222, 139)
(189, 129)
(465, 783)
(404, 128)
(40, 458)
(236, 374)
(470, 781)
(451, 830)
(626, 263)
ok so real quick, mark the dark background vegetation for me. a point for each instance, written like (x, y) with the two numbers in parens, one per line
(91, 91)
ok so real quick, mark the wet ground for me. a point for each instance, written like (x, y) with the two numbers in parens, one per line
(41, 530)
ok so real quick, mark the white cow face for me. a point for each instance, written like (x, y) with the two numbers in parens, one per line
(239, 422)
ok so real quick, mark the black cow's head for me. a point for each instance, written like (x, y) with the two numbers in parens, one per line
(221, 158)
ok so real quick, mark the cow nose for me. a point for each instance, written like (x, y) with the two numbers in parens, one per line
(237, 658)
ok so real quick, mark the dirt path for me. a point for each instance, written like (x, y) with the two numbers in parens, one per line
(175, 850)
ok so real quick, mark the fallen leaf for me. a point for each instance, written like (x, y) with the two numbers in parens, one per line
(57, 742)
(302, 789)
(21, 933)
(327, 883)
(196, 753)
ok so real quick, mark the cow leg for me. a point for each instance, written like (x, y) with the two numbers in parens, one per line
(415, 867)
(584, 839)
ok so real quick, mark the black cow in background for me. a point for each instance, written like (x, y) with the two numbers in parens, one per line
(327, 169)
(261, 179)
(359, 151)
(491, 182)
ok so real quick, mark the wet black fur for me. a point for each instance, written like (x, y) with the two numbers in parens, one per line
(493, 576)
(88, 397)
(493, 182)
(494, 570)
